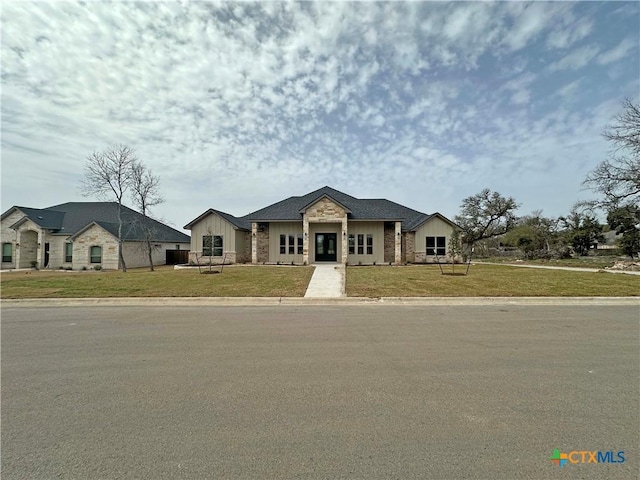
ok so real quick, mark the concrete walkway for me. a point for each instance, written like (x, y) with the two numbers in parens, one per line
(327, 281)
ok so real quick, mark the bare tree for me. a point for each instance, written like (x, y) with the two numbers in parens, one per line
(485, 215)
(108, 175)
(145, 194)
(617, 178)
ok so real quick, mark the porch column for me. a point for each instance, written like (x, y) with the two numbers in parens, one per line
(16, 254)
(398, 243)
(305, 240)
(254, 242)
(345, 241)
(40, 251)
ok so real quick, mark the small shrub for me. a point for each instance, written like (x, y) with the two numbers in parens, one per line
(98, 267)
(374, 263)
(68, 268)
(84, 267)
(33, 264)
(292, 262)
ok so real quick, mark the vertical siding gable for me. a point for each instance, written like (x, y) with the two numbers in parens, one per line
(213, 224)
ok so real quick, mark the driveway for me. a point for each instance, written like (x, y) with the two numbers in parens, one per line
(368, 391)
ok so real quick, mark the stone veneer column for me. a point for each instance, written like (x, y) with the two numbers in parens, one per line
(398, 243)
(40, 252)
(305, 239)
(254, 242)
(345, 240)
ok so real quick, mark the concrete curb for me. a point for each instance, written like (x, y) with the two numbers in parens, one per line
(300, 301)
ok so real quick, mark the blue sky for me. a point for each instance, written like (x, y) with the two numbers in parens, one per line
(239, 105)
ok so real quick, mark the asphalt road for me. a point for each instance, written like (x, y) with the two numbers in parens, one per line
(369, 392)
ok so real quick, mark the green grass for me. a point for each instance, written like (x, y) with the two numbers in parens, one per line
(236, 281)
(485, 281)
(582, 262)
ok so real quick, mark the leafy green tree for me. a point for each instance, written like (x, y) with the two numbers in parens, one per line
(535, 235)
(582, 231)
(486, 215)
(626, 222)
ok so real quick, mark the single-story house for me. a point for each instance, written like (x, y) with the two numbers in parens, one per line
(325, 225)
(81, 235)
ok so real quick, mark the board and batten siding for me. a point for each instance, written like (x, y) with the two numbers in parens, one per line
(436, 227)
(284, 228)
(241, 247)
(213, 225)
(364, 228)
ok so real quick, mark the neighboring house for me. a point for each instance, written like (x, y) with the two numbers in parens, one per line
(83, 235)
(322, 226)
(609, 241)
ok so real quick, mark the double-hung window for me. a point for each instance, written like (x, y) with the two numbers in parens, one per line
(292, 245)
(360, 244)
(7, 252)
(436, 246)
(369, 244)
(300, 245)
(207, 245)
(352, 244)
(68, 252)
(217, 245)
(212, 245)
(96, 254)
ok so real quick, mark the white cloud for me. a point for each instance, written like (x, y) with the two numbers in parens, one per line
(619, 52)
(565, 36)
(237, 105)
(578, 58)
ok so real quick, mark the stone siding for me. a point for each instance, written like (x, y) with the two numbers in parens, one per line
(389, 242)
(196, 257)
(8, 235)
(408, 251)
(262, 239)
(95, 236)
(324, 210)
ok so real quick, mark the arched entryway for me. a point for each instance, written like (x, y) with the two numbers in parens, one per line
(28, 254)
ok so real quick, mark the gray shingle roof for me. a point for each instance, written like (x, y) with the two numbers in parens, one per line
(235, 221)
(70, 218)
(360, 209)
(290, 209)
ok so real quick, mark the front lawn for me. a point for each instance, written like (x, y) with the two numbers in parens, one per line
(235, 281)
(485, 281)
